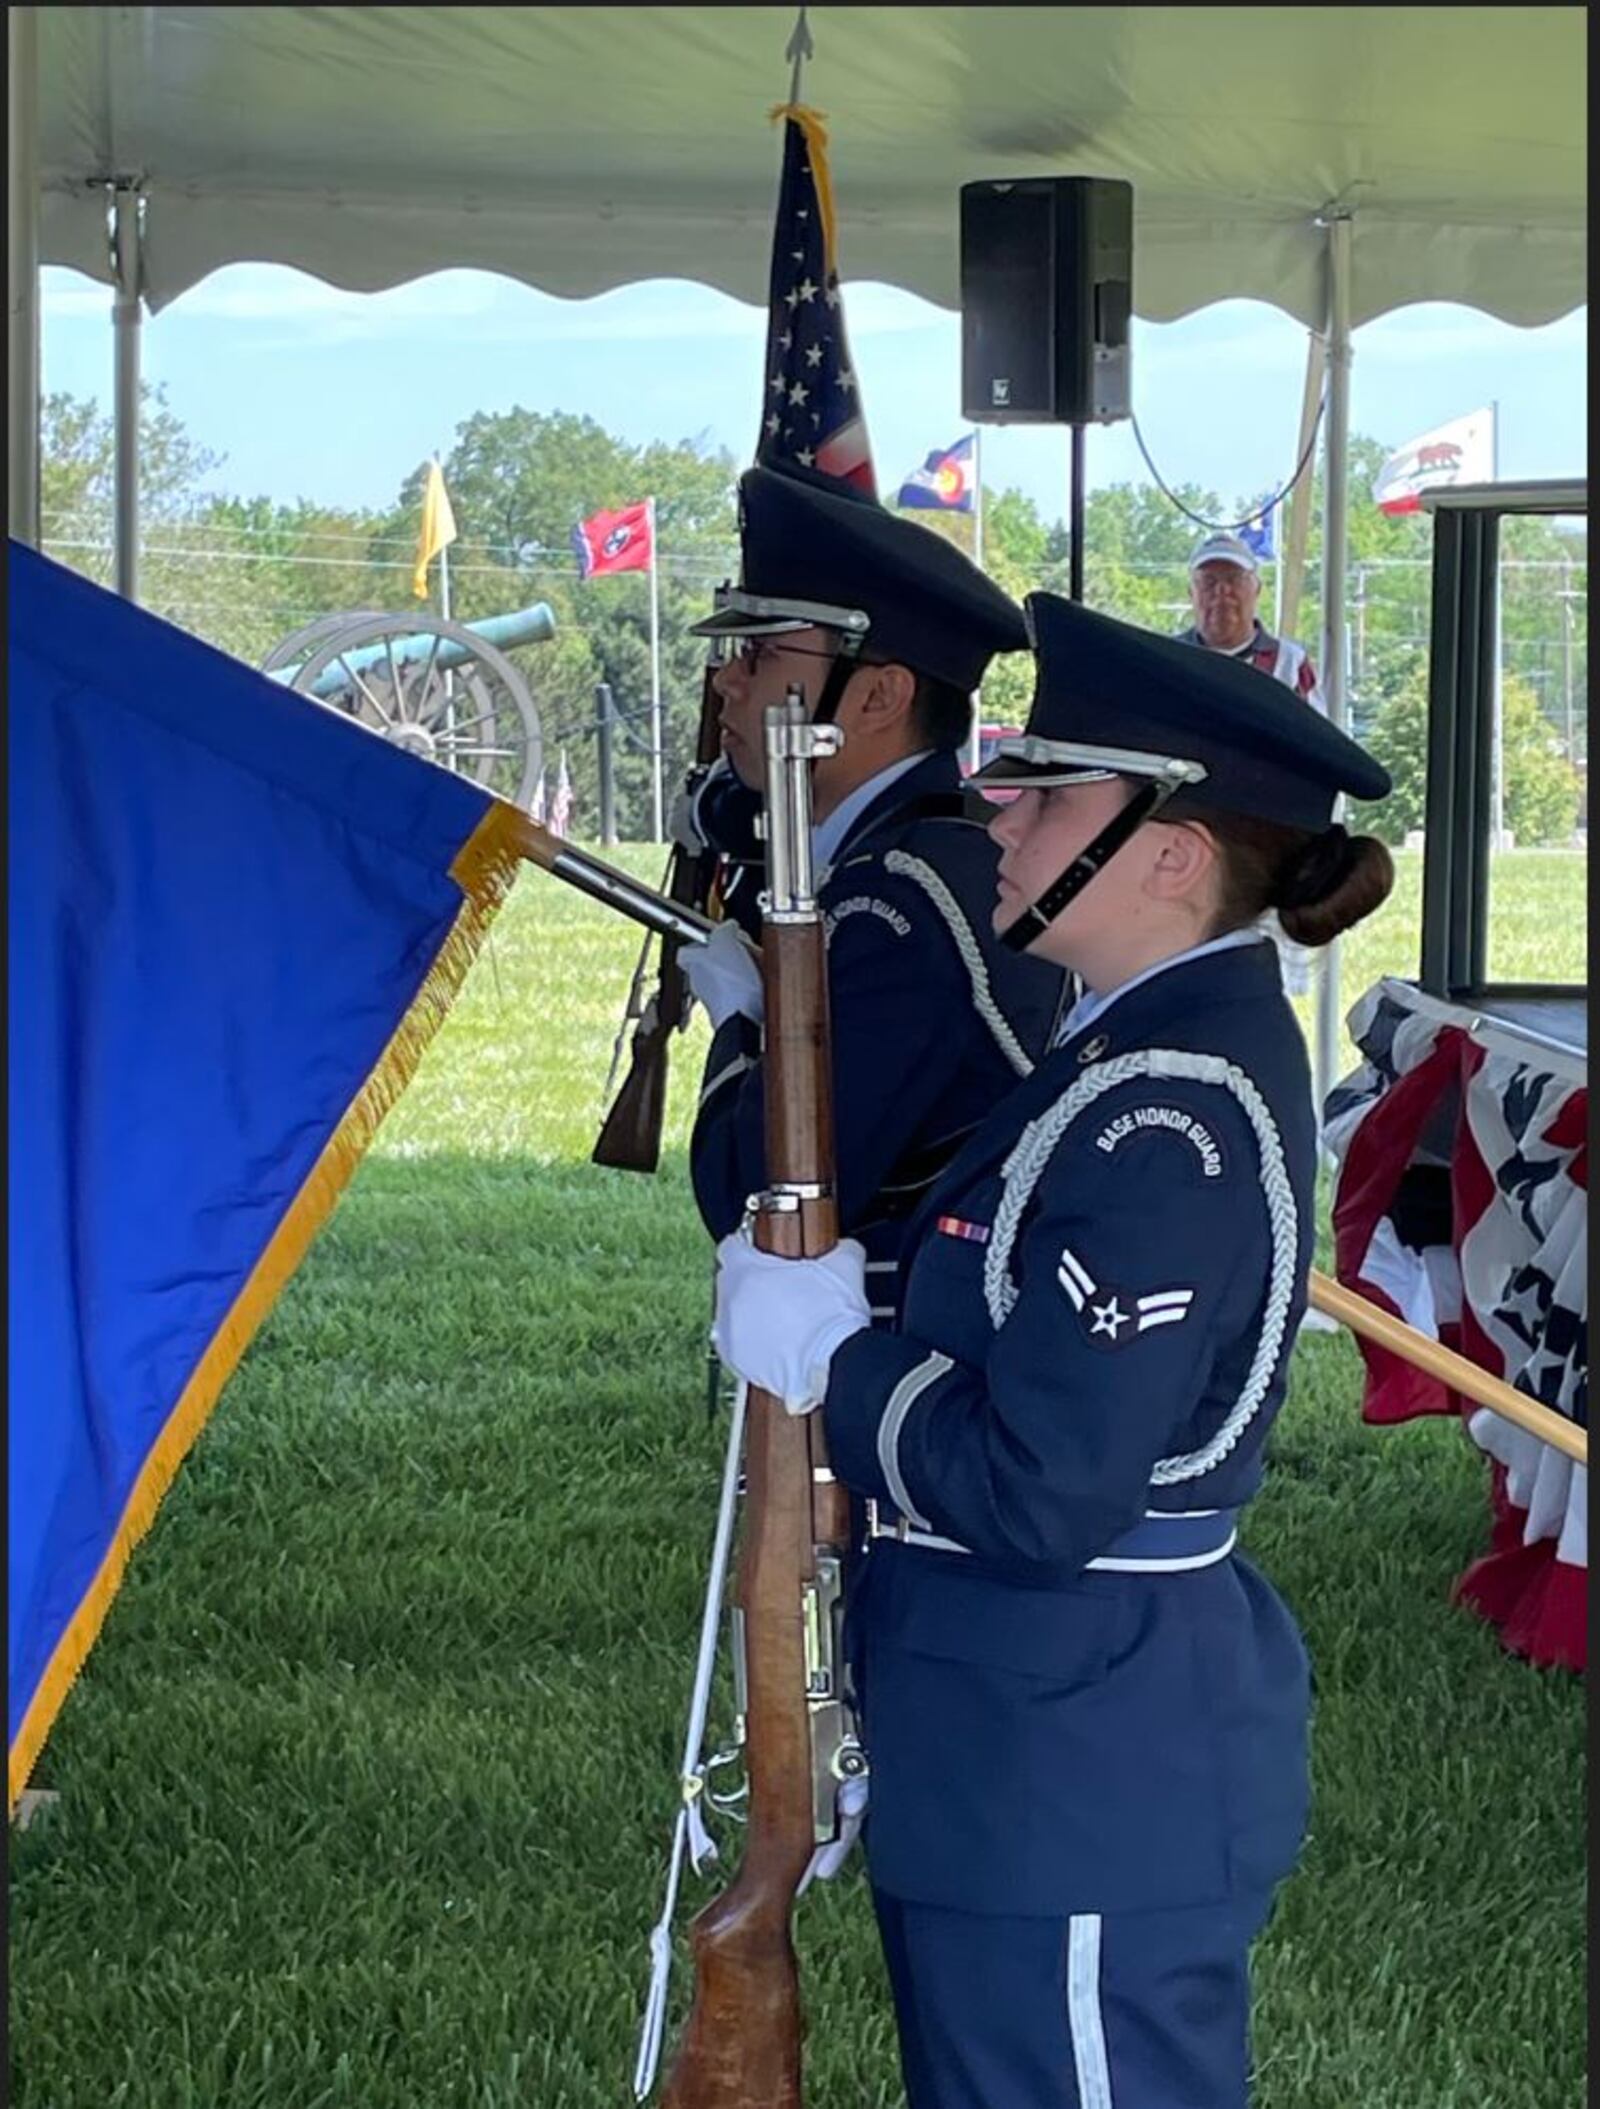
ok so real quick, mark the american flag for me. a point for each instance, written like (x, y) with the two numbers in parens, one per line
(812, 412)
(561, 803)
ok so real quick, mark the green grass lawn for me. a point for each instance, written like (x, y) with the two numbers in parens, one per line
(365, 1792)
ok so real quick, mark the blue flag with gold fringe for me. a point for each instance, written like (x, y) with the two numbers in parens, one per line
(235, 918)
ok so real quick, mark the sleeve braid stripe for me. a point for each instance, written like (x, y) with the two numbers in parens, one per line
(1038, 1142)
(901, 1400)
(735, 1068)
(924, 875)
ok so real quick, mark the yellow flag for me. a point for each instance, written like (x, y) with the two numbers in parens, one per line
(438, 527)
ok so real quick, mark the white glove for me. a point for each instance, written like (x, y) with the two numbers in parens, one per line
(724, 974)
(680, 822)
(850, 1805)
(779, 1321)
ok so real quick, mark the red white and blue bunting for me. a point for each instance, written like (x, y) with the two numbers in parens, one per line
(1461, 1205)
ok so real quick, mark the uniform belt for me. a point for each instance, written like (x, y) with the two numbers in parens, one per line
(1165, 1542)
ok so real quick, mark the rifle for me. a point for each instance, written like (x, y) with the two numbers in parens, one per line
(741, 2045)
(604, 882)
(630, 1135)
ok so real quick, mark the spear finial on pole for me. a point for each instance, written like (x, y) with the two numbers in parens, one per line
(799, 48)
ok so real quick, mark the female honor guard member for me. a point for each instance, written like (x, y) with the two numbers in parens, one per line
(886, 629)
(1085, 1712)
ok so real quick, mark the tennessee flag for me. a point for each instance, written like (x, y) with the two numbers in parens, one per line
(620, 541)
(944, 482)
(438, 527)
(235, 919)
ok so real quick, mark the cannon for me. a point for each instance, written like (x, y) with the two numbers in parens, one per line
(441, 689)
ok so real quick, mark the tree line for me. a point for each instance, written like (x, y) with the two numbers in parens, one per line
(244, 573)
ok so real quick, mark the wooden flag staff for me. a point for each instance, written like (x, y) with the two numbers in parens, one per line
(1450, 1368)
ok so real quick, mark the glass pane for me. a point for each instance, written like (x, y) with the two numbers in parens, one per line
(1538, 866)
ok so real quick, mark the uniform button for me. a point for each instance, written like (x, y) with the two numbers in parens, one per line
(1092, 1050)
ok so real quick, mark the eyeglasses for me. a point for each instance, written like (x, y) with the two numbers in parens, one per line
(750, 651)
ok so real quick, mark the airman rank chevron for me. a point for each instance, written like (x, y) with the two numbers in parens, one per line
(1112, 1317)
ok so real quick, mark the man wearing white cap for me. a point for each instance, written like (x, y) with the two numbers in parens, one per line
(1224, 587)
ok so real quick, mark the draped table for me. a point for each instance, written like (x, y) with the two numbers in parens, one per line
(1461, 1206)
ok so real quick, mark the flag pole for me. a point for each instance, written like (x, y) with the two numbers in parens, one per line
(1497, 747)
(444, 613)
(799, 48)
(977, 496)
(656, 801)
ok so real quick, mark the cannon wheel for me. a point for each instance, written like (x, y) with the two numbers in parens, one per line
(477, 717)
(294, 647)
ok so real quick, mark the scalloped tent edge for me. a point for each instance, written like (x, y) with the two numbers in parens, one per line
(581, 149)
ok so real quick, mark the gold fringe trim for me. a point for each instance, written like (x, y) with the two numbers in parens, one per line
(485, 869)
(811, 124)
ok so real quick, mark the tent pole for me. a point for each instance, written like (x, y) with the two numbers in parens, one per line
(22, 271)
(975, 738)
(127, 314)
(1335, 556)
(1292, 553)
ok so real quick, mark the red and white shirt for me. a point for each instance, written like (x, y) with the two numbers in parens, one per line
(1280, 657)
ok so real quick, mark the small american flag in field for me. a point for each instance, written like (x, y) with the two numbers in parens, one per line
(812, 410)
(561, 803)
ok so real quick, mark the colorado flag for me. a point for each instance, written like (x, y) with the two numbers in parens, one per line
(946, 481)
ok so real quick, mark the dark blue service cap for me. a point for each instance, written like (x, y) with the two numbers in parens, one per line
(1114, 700)
(816, 551)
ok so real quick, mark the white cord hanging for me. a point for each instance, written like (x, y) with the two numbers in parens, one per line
(924, 875)
(689, 1831)
(1038, 1142)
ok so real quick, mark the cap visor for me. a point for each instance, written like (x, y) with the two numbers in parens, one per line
(1010, 772)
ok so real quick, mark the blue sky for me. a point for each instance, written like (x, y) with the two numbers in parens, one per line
(308, 391)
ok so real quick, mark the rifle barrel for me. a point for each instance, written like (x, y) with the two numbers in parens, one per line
(604, 882)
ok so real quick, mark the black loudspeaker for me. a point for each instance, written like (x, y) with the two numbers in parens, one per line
(1046, 298)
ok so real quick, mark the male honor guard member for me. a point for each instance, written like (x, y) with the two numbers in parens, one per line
(886, 629)
(1085, 1711)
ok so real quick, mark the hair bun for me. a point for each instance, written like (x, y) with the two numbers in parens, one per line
(1320, 868)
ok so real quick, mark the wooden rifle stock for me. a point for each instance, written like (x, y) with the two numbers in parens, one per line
(741, 2045)
(630, 1135)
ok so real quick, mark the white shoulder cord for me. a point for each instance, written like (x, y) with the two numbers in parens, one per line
(690, 1829)
(901, 861)
(1033, 1150)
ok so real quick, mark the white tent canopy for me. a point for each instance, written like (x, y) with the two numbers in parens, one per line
(580, 148)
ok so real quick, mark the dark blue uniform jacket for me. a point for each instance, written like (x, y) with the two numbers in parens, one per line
(1101, 1295)
(933, 1021)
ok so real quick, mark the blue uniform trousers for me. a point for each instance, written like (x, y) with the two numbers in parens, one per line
(1135, 2010)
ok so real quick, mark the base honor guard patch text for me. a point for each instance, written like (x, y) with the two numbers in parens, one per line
(1142, 1120)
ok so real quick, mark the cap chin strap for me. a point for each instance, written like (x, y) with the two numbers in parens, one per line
(841, 667)
(1035, 919)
